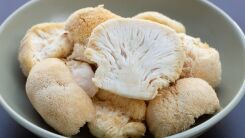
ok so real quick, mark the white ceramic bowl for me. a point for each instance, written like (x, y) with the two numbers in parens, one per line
(200, 17)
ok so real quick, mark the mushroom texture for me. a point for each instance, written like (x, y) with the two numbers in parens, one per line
(201, 61)
(176, 108)
(78, 53)
(46, 40)
(57, 97)
(162, 19)
(82, 73)
(117, 117)
(135, 58)
(80, 25)
(134, 108)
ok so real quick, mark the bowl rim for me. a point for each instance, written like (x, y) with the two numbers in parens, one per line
(187, 133)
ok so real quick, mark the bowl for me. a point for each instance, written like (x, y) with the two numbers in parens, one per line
(201, 18)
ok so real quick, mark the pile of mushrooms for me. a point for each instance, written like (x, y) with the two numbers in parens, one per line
(119, 75)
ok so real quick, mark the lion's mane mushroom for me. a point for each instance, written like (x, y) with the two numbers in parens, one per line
(82, 73)
(78, 53)
(162, 19)
(131, 107)
(80, 25)
(46, 40)
(176, 108)
(57, 97)
(135, 57)
(201, 61)
(117, 117)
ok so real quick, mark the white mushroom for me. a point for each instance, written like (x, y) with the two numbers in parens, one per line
(117, 117)
(46, 40)
(162, 19)
(135, 58)
(201, 61)
(80, 25)
(78, 53)
(82, 73)
(57, 97)
(176, 108)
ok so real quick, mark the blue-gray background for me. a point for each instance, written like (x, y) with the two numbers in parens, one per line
(232, 126)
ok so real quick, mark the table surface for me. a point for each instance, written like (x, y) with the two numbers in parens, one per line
(232, 126)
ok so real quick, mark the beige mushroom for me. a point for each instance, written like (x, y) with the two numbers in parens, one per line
(131, 107)
(117, 117)
(162, 19)
(82, 73)
(57, 97)
(201, 61)
(46, 40)
(80, 25)
(176, 108)
(135, 58)
(78, 53)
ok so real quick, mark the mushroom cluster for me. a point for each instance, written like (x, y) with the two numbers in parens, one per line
(120, 76)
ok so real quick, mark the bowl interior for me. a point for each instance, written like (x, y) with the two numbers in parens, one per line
(200, 20)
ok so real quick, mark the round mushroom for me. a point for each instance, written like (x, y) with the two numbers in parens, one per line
(162, 19)
(82, 73)
(175, 109)
(80, 25)
(117, 117)
(46, 40)
(57, 97)
(201, 61)
(135, 58)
